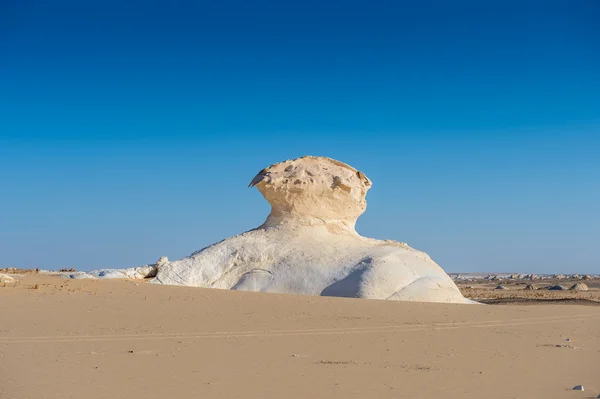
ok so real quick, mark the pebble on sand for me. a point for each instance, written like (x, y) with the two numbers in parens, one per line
(578, 388)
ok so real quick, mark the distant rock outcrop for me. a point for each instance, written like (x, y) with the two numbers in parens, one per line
(579, 287)
(309, 245)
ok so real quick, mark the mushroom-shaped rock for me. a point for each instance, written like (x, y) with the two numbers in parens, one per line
(308, 244)
(313, 191)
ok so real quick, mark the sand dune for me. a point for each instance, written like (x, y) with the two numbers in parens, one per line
(126, 339)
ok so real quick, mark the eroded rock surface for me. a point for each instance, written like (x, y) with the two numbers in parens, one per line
(308, 244)
(7, 281)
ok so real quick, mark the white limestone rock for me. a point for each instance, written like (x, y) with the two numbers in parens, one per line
(7, 281)
(579, 287)
(136, 273)
(77, 275)
(308, 245)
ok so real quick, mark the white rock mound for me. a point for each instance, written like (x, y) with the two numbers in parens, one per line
(7, 281)
(579, 287)
(308, 244)
(135, 273)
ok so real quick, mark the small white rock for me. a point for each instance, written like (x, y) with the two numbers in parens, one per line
(578, 388)
(7, 281)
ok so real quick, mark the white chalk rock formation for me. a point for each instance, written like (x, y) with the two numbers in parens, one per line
(579, 287)
(7, 281)
(308, 244)
(136, 273)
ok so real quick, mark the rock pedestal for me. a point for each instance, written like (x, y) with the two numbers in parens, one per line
(308, 244)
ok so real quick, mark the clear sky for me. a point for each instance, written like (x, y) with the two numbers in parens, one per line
(130, 130)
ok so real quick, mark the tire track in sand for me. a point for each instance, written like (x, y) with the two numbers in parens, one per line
(298, 332)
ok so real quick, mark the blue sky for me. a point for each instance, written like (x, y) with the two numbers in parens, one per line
(130, 131)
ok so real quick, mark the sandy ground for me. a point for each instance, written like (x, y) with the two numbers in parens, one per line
(125, 339)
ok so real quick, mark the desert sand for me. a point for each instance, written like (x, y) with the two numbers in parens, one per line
(128, 339)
